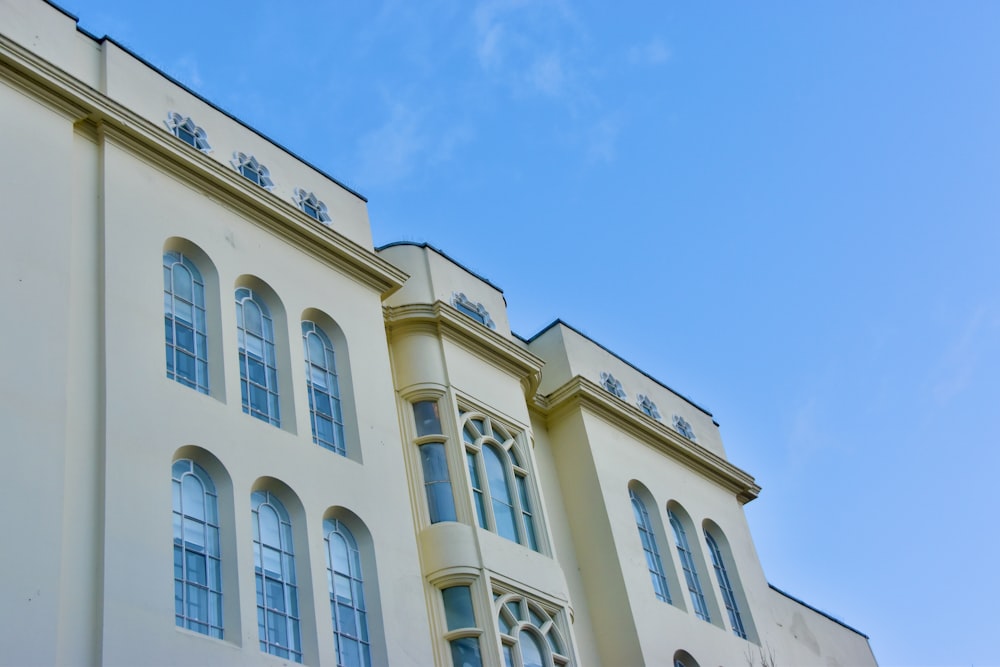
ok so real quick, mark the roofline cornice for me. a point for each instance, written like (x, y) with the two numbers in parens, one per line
(581, 393)
(443, 320)
(115, 122)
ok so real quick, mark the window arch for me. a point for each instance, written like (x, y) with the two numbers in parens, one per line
(252, 169)
(258, 365)
(274, 572)
(185, 328)
(197, 564)
(529, 634)
(347, 595)
(503, 504)
(725, 586)
(185, 129)
(648, 539)
(311, 206)
(690, 569)
(326, 413)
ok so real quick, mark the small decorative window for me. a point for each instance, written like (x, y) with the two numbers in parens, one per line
(252, 170)
(258, 371)
(503, 504)
(652, 551)
(690, 570)
(529, 634)
(197, 565)
(274, 571)
(476, 311)
(613, 386)
(324, 390)
(682, 426)
(647, 406)
(462, 635)
(347, 595)
(184, 322)
(725, 587)
(184, 129)
(311, 206)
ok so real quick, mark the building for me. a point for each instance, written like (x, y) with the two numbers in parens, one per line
(357, 460)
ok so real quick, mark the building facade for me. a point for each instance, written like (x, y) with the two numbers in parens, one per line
(240, 434)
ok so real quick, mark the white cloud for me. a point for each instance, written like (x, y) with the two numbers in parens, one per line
(654, 52)
(185, 70)
(602, 140)
(546, 74)
(390, 152)
(959, 363)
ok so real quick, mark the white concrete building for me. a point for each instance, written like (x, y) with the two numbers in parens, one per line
(240, 434)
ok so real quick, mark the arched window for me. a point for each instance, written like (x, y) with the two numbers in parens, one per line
(648, 539)
(690, 570)
(504, 504)
(529, 634)
(197, 570)
(725, 587)
(258, 368)
(274, 571)
(347, 595)
(324, 391)
(184, 322)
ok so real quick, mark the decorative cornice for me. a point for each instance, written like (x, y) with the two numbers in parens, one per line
(443, 320)
(86, 105)
(580, 392)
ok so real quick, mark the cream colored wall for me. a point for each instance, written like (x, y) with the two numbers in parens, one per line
(144, 207)
(436, 278)
(50, 33)
(50, 424)
(144, 91)
(573, 354)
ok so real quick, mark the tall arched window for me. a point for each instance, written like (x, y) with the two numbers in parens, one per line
(197, 570)
(529, 634)
(690, 570)
(184, 322)
(503, 505)
(274, 571)
(324, 391)
(347, 595)
(649, 547)
(258, 367)
(725, 587)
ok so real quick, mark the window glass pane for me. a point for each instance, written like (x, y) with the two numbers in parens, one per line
(531, 649)
(465, 652)
(425, 414)
(458, 607)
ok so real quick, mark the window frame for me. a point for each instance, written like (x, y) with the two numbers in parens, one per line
(199, 138)
(245, 165)
(689, 566)
(456, 633)
(211, 553)
(271, 385)
(518, 479)
(306, 200)
(549, 633)
(725, 587)
(332, 393)
(198, 326)
(356, 586)
(288, 579)
(645, 526)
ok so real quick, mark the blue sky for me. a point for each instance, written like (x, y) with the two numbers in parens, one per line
(786, 211)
